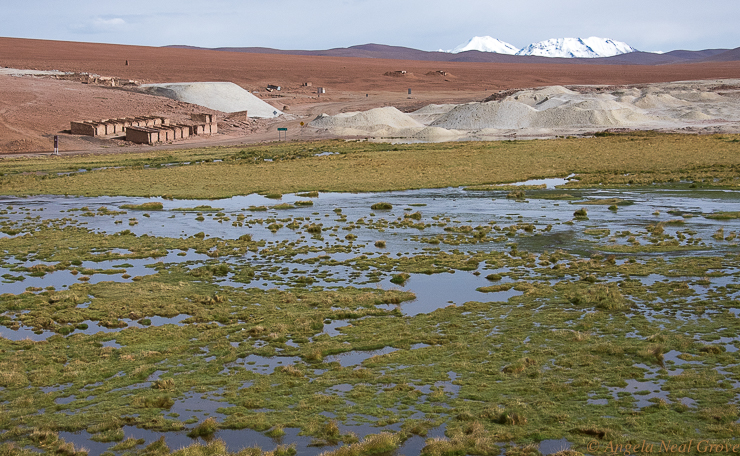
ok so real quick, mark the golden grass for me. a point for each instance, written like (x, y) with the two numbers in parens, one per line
(641, 158)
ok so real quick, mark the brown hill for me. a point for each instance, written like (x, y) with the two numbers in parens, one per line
(255, 70)
(381, 51)
(727, 56)
(32, 110)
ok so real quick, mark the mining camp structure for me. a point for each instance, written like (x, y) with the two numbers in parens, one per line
(147, 129)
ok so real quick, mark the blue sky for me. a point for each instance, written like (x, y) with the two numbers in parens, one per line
(651, 25)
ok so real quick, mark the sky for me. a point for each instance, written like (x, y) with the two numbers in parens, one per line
(648, 25)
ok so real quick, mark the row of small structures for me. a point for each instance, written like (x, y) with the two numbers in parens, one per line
(147, 129)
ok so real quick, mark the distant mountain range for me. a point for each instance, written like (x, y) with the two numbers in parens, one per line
(483, 49)
(589, 48)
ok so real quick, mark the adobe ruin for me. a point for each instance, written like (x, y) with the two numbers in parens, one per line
(147, 129)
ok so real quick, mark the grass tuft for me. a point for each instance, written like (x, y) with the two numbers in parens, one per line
(151, 206)
(205, 428)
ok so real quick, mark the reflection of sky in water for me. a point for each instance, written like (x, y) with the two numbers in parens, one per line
(93, 327)
(235, 440)
(436, 291)
(262, 364)
(65, 278)
(432, 291)
(355, 357)
(642, 392)
(470, 207)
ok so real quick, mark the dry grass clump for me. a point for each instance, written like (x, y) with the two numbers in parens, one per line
(602, 296)
(382, 206)
(495, 288)
(213, 448)
(205, 428)
(471, 438)
(527, 450)
(162, 402)
(516, 194)
(720, 415)
(276, 432)
(292, 371)
(151, 206)
(371, 444)
(10, 377)
(580, 213)
(400, 279)
(723, 215)
(127, 444)
(164, 384)
(519, 366)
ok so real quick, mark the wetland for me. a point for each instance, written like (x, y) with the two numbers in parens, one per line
(300, 313)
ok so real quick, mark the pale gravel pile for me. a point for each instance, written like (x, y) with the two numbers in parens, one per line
(475, 116)
(220, 96)
(432, 112)
(552, 110)
(368, 120)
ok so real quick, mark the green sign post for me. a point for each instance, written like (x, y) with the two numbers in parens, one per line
(280, 133)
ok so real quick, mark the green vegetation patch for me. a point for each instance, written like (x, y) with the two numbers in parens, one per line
(150, 206)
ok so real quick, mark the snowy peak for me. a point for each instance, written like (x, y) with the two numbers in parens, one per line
(485, 44)
(592, 47)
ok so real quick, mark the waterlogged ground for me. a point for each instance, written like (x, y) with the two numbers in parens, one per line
(521, 319)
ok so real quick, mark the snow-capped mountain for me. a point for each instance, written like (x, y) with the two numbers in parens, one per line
(485, 44)
(577, 47)
(592, 47)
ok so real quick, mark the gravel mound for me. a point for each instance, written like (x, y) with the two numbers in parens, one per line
(493, 114)
(220, 96)
(374, 119)
(546, 111)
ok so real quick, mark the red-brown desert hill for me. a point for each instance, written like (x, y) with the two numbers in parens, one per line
(33, 110)
(252, 70)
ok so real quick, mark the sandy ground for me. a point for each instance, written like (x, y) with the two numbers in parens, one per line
(35, 108)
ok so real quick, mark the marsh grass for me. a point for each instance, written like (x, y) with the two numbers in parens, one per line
(539, 355)
(150, 206)
(723, 215)
(636, 159)
(602, 296)
(205, 428)
(400, 279)
(127, 444)
(384, 442)
(581, 213)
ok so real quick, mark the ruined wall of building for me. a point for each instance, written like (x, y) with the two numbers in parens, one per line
(107, 127)
(146, 129)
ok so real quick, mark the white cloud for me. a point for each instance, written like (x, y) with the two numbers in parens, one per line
(98, 25)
